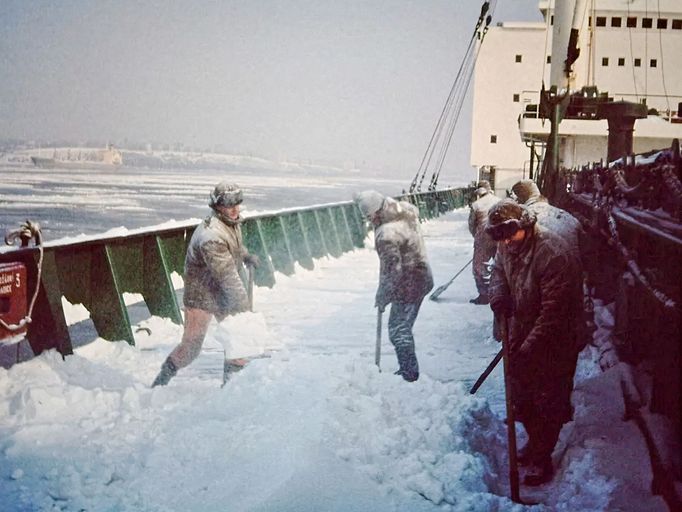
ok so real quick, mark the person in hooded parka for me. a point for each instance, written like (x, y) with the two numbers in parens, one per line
(404, 272)
(214, 278)
(484, 246)
(536, 292)
(567, 227)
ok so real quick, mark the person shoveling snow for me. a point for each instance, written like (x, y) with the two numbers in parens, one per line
(214, 277)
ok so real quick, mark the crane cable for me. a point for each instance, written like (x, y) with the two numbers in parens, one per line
(454, 92)
(453, 121)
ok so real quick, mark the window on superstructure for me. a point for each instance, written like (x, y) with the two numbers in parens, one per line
(631, 22)
(621, 61)
(638, 62)
(604, 61)
(647, 22)
(653, 63)
(518, 58)
(551, 19)
(493, 139)
(677, 24)
(516, 98)
(601, 21)
(662, 23)
(615, 22)
(549, 59)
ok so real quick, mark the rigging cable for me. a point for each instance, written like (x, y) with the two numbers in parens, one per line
(417, 181)
(447, 108)
(450, 120)
(453, 122)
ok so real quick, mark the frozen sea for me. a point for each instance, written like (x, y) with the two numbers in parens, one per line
(69, 202)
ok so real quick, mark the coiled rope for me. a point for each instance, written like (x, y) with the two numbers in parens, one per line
(25, 233)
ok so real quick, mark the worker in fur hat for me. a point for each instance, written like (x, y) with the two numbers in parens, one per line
(536, 291)
(214, 278)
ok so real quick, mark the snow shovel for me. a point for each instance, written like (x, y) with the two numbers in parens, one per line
(443, 287)
(487, 372)
(377, 347)
(511, 426)
(229, 367)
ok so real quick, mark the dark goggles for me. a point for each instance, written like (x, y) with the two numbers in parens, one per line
(504, 230)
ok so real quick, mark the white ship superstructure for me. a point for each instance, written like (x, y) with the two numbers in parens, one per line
(630, 50)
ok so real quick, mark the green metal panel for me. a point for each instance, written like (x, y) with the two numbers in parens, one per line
(73, 270)
(325, 220)
(452, 203)
(157, 286)
(313, 233)
(431, 206)
(358, 229)
(276, 244)
(173, 246)
(298, 241)
(253, 240)
(342, 228)
(126, 260)
(48, 327)
(107, 310)
(421, 206)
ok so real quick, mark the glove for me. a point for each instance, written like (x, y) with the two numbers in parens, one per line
(502, 306)
(380, 301)
(521, 351)
(252, 260)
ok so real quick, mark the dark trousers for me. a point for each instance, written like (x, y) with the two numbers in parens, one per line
(542, 438)
(400, 324)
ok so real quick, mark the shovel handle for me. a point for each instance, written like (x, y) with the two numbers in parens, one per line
(511, 425)
(250, 288)
(377, 347)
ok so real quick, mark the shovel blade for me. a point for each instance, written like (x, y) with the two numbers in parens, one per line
(438, 291)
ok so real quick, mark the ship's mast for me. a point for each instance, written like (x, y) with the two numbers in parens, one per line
(570, 72)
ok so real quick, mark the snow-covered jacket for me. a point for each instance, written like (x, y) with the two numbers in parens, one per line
(405, 274)
(478, 214)
(214, 271)
(544, 280)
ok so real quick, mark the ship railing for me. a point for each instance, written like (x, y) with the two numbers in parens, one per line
(631, 210)
(97, 272)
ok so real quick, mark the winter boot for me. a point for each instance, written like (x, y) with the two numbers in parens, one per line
(168, 371)
(525, 454)
(539, 473)
(480, 300)
(409, 367)
(232, 366)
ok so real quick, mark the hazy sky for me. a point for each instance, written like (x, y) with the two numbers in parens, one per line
(360, 82)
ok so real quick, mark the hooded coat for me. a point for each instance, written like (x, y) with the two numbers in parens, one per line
(484, 246)
(214, 271)
(544, 280)
(478, 215)
(405, 274)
